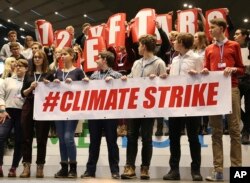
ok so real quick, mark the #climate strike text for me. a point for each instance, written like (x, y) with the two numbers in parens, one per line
(202, 94)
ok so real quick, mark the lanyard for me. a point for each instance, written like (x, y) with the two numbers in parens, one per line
(221, 52)
(36, 80)
(64, 77)
(144, 66)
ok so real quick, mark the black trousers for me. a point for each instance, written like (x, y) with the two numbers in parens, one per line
(244, 86)
(96, 127)
(192, 126)
(143, 127)
(41, 130)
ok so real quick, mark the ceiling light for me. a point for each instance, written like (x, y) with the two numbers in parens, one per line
(21, 29)
(8, 20)
(5, 39)
(23, 37)
(25, 23)
(185, 5)
(245, 20)
(1, 25)
(56, 13)
(35, 12)
(85, 15)
(190, 6)
(12, 9)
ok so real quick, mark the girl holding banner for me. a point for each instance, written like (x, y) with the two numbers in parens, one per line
(39, 72)
(65, 129)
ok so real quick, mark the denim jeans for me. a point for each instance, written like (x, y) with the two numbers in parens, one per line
(5, 128)
(96, 127)
(143, 126)
(66, 132)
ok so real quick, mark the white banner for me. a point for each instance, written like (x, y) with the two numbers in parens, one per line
(135, 98)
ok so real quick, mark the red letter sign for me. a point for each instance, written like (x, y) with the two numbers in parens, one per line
(92, 48)
(187, 21)
(214, 13)
(116, 36)
(45, 32)
(144, 23)
(165, 21)
(63, 39)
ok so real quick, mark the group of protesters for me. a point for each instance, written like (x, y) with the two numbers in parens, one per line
(180, 54)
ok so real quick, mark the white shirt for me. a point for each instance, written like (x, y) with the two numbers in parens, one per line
(201, 53)
(244, 54)
(182, 64)
(10, 93)
(27, 53)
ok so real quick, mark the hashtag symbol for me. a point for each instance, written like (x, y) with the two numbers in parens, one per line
(51, 101)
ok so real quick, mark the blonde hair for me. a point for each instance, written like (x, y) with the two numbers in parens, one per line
(7, 72)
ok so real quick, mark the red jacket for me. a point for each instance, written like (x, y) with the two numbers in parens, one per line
(232, 58)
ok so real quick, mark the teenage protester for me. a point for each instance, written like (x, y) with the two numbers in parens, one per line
(5, 50)
(39, 72)
(108, 126)
(148, 66)
(65, 129)
(11, 103)
(242, 37)
(16, 50)
(187, 62)
(224, 55)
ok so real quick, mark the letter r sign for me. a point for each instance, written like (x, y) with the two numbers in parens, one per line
(239, 174)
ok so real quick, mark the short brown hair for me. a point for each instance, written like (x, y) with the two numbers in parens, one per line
(85, 25)
(221, 22)
(12, 32)
(186, 39)
(149, 41)
(108, 56)
(23, 62)
(14, 45)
